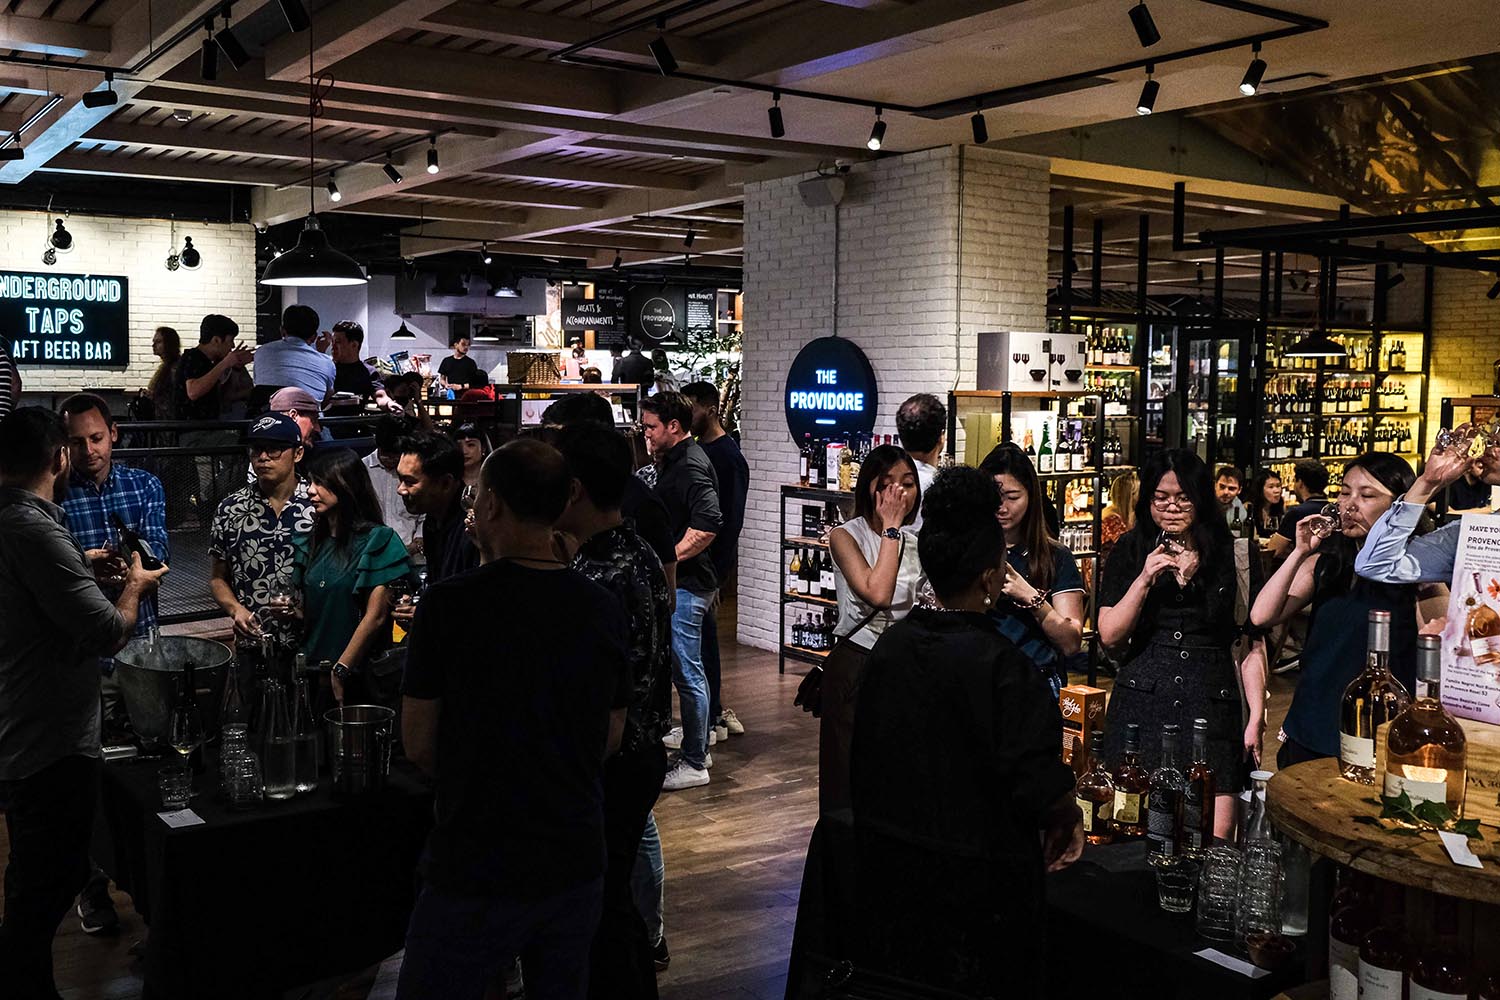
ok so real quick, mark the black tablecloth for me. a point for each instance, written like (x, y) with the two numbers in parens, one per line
(251, 903)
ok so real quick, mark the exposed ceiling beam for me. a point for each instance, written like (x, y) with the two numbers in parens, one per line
(198, 140)
(552, 32)
(161, 168)
(51, 37)
(670, 152)
(344, 29)
(466, 190)
(402, 208)
(602, 176)
(202, 99)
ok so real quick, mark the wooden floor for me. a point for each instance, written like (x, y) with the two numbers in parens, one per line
(733, 850)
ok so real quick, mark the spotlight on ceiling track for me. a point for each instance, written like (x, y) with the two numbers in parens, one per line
(230, 45)
(1146, 103)
(190, 257)
(61, 240)
(661, 52)
(334, 194)
(485, 255)
(778, 126)
(10, 153)
(1254, 73)
(877, 133)
(1393, 280)
(1145, 25)
(295, 14)
(432, 156)
(618, 262)
(391, 171)
(981, 130)
(208, 64)
(687, 240)
(102, 98)
(1494, 292)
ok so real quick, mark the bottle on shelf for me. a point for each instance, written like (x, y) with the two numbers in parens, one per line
(1096, 795)
(798, 630)
(814, 574)
(1198, 796)
(804, 461)
(794, 571)
(825, 574)
(1385, 953)
(1426, 752)
(1132, 783)
(803, 580)
(1372, 699)
(1164, 799)
(1044, 463)
(1347, 927)
(1442, 971)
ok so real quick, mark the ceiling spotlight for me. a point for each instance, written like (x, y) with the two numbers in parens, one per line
(432, 159)
(208, 66)
(687, 240)
(505, 285)
(618, 261)
(1393, 280)
(877, 133)
(49, 257)
(1145, 25)
(295, 14)
(778, 126)
(485, 255)
(173, 261)
(334, 194)
(230, 45)
(61, 240)
(12, 153)
(182, 115)
(981, 130)
(665, 61)
(1254, 73)
(1494, 292)
(391, 171)
(1200, 274)
(1146, 103)
(191, 258)
(102, 98)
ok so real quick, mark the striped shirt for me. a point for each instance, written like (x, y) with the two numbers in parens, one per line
(137, 496)
(7, 370)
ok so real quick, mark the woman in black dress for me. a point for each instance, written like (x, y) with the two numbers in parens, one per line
(960, 800)
(1168, 602)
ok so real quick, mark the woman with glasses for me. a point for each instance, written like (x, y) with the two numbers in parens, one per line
(1167, 600)
(1041, 605)
(1319, 574)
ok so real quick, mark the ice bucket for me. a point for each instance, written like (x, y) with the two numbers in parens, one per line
(150, 683)
(359, 748)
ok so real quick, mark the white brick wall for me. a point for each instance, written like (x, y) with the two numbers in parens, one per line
(899, 290)
(1465, 342)
(137, 249)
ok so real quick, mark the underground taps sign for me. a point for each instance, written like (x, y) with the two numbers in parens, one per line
(1471, 637)
(66, 319)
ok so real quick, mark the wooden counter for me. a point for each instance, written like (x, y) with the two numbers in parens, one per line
(1314, 806)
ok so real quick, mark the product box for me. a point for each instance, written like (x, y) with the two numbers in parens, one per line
(1082, 713)
(1015, 361)
(1471, 637)
(981, 434)
(1070, 352)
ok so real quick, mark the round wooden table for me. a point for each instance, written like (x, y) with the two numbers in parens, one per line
(1315, 807)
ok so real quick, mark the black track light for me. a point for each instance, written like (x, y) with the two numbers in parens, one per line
(334, 194)
(660, 51)
(61, 240)
(778, 127)
(485, 255)
(1146, 103)
(1393, 280)
(618, 261)
(1254, 73)
(1145, 25)
(391, 171)
(12, 153)
(1494, 292)
(190, 257)
(687, 240)
(230, 45)
(208, 66)
(432, 157)
(295, 14)
(877, 133)
(102, 98)
(981, 130)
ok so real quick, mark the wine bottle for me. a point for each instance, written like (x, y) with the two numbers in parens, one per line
(1347, 928)
(1096, 795)
(804, 461)
(131, 542)
(1443, 971)
(1044, 462)
(1132, 783)
(1164, 800)
(1481, 627)
(814, 576)
(1426, 752)
(802, 577)
(1385, 953)
(825, 571)
(794, 571)
(1198, 798)
(1371, 700)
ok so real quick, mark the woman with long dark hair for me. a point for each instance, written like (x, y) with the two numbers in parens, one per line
(343, 569)
(167, 346)
(960, 801)
(1167, 601)
(1041, 610)
(1319, 574)
(1267, 503)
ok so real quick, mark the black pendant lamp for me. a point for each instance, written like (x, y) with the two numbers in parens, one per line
(312, 262)
(404, 333)
(1316, 344)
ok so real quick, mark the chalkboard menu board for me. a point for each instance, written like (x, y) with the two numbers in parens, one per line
(66, 320)
(701, 312)
(604, 314)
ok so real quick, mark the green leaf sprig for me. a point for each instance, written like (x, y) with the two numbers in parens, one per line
(1422, 815)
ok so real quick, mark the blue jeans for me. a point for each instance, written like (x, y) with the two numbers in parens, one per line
(688, 675)
(457, 945)
(711, 668)
(648, 882)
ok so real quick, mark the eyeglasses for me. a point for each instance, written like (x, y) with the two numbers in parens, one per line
(270, 450)
(1163, 502)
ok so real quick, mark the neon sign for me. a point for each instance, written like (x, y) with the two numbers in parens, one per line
(830, 391)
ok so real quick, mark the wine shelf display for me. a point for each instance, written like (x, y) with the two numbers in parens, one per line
(809, 598)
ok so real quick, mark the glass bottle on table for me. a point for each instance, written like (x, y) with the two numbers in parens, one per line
(1164, 799)
(1198, 800)
(1257, 825)
(279, 762)
(1132, 782)
(1095, 795)
(1372, 699)
(305, 733)
(1426, 750)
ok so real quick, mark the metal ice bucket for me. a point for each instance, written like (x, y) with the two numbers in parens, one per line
(151, 684)
(359, 748)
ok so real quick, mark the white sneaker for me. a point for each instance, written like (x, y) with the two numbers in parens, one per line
(684, 775)
(718, 732)
(732, 722)
(708, 761)
(673, 739)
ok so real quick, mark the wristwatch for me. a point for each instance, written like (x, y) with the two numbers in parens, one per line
(894, 534)
(342, 672)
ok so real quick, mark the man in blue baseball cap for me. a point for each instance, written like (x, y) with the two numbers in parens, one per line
(254, 529)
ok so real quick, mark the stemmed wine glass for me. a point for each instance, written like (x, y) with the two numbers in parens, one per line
(1173, 543)
(1328, 521)
(185, 733)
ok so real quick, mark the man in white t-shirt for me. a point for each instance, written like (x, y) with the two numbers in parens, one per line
(922, 425)
(382, 462)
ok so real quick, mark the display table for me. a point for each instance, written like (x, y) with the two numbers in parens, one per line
(1314, 806)
(249, 904)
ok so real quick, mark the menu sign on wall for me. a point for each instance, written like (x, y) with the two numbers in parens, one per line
(701, 315)
(1471, 637)
(66, 320)
(604, 314)
(830, 391)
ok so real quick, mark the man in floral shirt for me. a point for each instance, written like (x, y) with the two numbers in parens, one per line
(254, 527)
(616, 558)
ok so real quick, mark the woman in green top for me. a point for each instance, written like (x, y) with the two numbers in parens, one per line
(343, 569)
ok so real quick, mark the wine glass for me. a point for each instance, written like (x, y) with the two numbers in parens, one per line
(1328, 521)
(1173, 543)
(185, 732)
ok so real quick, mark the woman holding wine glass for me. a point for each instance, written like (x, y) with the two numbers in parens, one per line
(1319, 574)
(1267, 504)
(343, 570)
(1167, 601)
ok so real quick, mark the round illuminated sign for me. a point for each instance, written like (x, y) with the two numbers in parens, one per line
(830, 391)
(658, 318)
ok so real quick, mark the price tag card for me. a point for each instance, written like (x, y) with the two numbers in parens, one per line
(180, 818)
(1458, 849)
(1217, 957)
